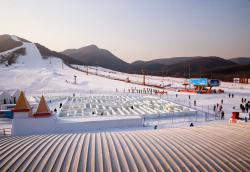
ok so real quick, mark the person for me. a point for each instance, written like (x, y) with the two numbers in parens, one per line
(243, 108)
(242, 100)
(55, 110)
(214, 107)
(191, 125)
(194, 102)
(60, 106)
(222, 114)
(155, 127)
(232, 95)
(176, 95)
(229, 95)
(245, 119)
(189, 97)
(221, 101)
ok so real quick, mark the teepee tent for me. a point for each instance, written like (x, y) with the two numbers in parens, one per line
(22, 108)
(22, 102)
(43, 109)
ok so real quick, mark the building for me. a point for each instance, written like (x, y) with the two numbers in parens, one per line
(5, 97)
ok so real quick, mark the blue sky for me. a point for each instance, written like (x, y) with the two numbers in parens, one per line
(134, 29)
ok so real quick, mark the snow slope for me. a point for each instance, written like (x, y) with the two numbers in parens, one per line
(32, 73)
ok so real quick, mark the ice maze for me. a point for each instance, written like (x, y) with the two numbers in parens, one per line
(97, 106)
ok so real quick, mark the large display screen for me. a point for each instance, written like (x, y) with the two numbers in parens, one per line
(199, 81)
(214, 82)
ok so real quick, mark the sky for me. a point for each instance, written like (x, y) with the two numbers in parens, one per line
(134, 29)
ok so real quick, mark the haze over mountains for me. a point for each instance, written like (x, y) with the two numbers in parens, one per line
(91, 55)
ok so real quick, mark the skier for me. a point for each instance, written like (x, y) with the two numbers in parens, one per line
(245, 119)
(222, 114)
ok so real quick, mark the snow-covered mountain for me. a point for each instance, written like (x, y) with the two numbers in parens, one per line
(23, 53)
(34, 71)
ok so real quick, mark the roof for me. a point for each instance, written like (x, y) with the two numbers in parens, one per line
(22, 102)
(14, 92)
(205, 148)
(4, 94)
(42, 107)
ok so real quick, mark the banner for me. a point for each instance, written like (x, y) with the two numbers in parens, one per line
(199, 81)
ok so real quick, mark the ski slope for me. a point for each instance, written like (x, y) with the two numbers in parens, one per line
(34, 73)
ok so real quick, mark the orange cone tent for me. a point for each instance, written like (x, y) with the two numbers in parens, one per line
(22, 104)
(43, 109)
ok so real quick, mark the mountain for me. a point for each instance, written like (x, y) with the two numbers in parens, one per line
(241, 60)
(181, 65)
(46, 53)
(94, 56)
(165, 61)
(7, 43)
(19, 51)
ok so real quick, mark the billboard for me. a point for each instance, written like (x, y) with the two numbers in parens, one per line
(199, 81)
(214, 82)
(236, 80)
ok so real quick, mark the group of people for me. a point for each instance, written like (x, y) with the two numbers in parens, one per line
(60, 106)
(218, 108)
(144, 91)
(245, 105)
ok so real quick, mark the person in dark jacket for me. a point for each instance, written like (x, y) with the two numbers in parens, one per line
(222, 114)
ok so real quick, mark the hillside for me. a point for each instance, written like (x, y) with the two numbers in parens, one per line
(7, 43)
(94, 56)
(241, 60)
(164, 61)
(46, 53)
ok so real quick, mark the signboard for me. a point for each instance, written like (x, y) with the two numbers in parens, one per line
(199, 81)
(236, 80)
(214, 82)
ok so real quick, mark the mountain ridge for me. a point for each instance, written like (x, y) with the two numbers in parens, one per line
(92, 55)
